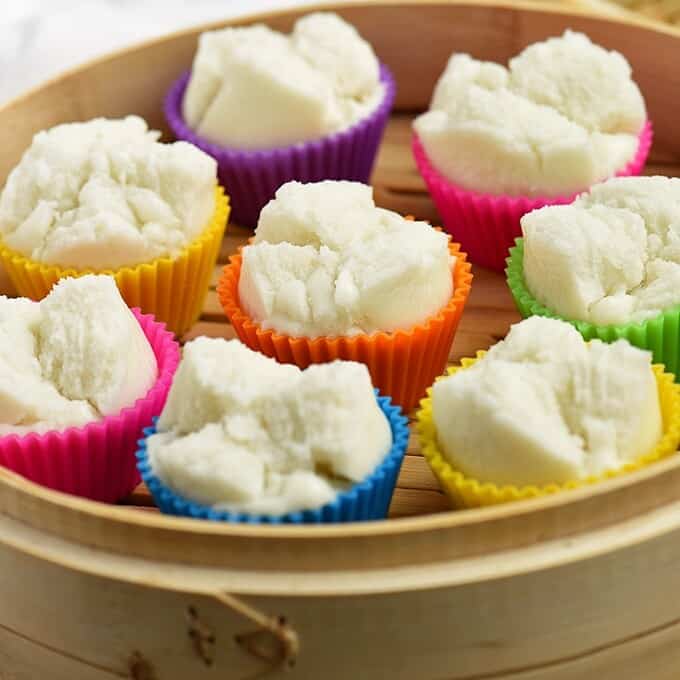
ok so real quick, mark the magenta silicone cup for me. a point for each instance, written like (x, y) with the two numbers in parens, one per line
(486, 225)
(251, 177)
(97, 460)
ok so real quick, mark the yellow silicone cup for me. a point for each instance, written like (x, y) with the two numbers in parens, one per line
(466, 492)
(173, 289)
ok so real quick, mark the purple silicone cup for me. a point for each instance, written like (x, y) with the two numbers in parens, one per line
(251, 177)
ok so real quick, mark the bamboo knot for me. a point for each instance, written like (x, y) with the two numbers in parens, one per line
(202, 638)
(272, 641)
(139, 668)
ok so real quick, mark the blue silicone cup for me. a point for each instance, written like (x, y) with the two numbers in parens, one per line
(367, 500)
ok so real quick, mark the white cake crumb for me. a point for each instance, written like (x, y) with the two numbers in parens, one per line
(565, 115)
(73, 358)
(244, 433)
(543, 406)
(252, 87)
(327, 261)
(106, 194)
(612, 256)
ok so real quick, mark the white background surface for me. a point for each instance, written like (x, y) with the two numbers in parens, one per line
(40, 38)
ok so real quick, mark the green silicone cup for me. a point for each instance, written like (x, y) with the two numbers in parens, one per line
(659, 335)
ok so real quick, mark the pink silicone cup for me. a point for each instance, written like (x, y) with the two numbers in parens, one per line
(487, 225)
(97, 460)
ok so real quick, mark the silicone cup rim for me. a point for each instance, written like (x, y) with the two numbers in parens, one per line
(457, 485)
(636, 332)
(631, 168)
(346, 502)
(98, 427)
(462, 277)
(172, 107)
(222, 207)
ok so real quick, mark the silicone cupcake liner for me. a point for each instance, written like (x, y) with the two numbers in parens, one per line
(660, 335)
(172, 289)
(402, 364)
(97, 461)
(367, 500)
(253, 176)
(486, 225)
(466, 492)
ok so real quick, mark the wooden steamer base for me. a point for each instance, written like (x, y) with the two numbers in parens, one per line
(581, 585)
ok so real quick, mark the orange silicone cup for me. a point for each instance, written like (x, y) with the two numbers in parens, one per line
(402, 364)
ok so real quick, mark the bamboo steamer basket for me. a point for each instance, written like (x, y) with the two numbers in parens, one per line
(579, 585)
(666, 11)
